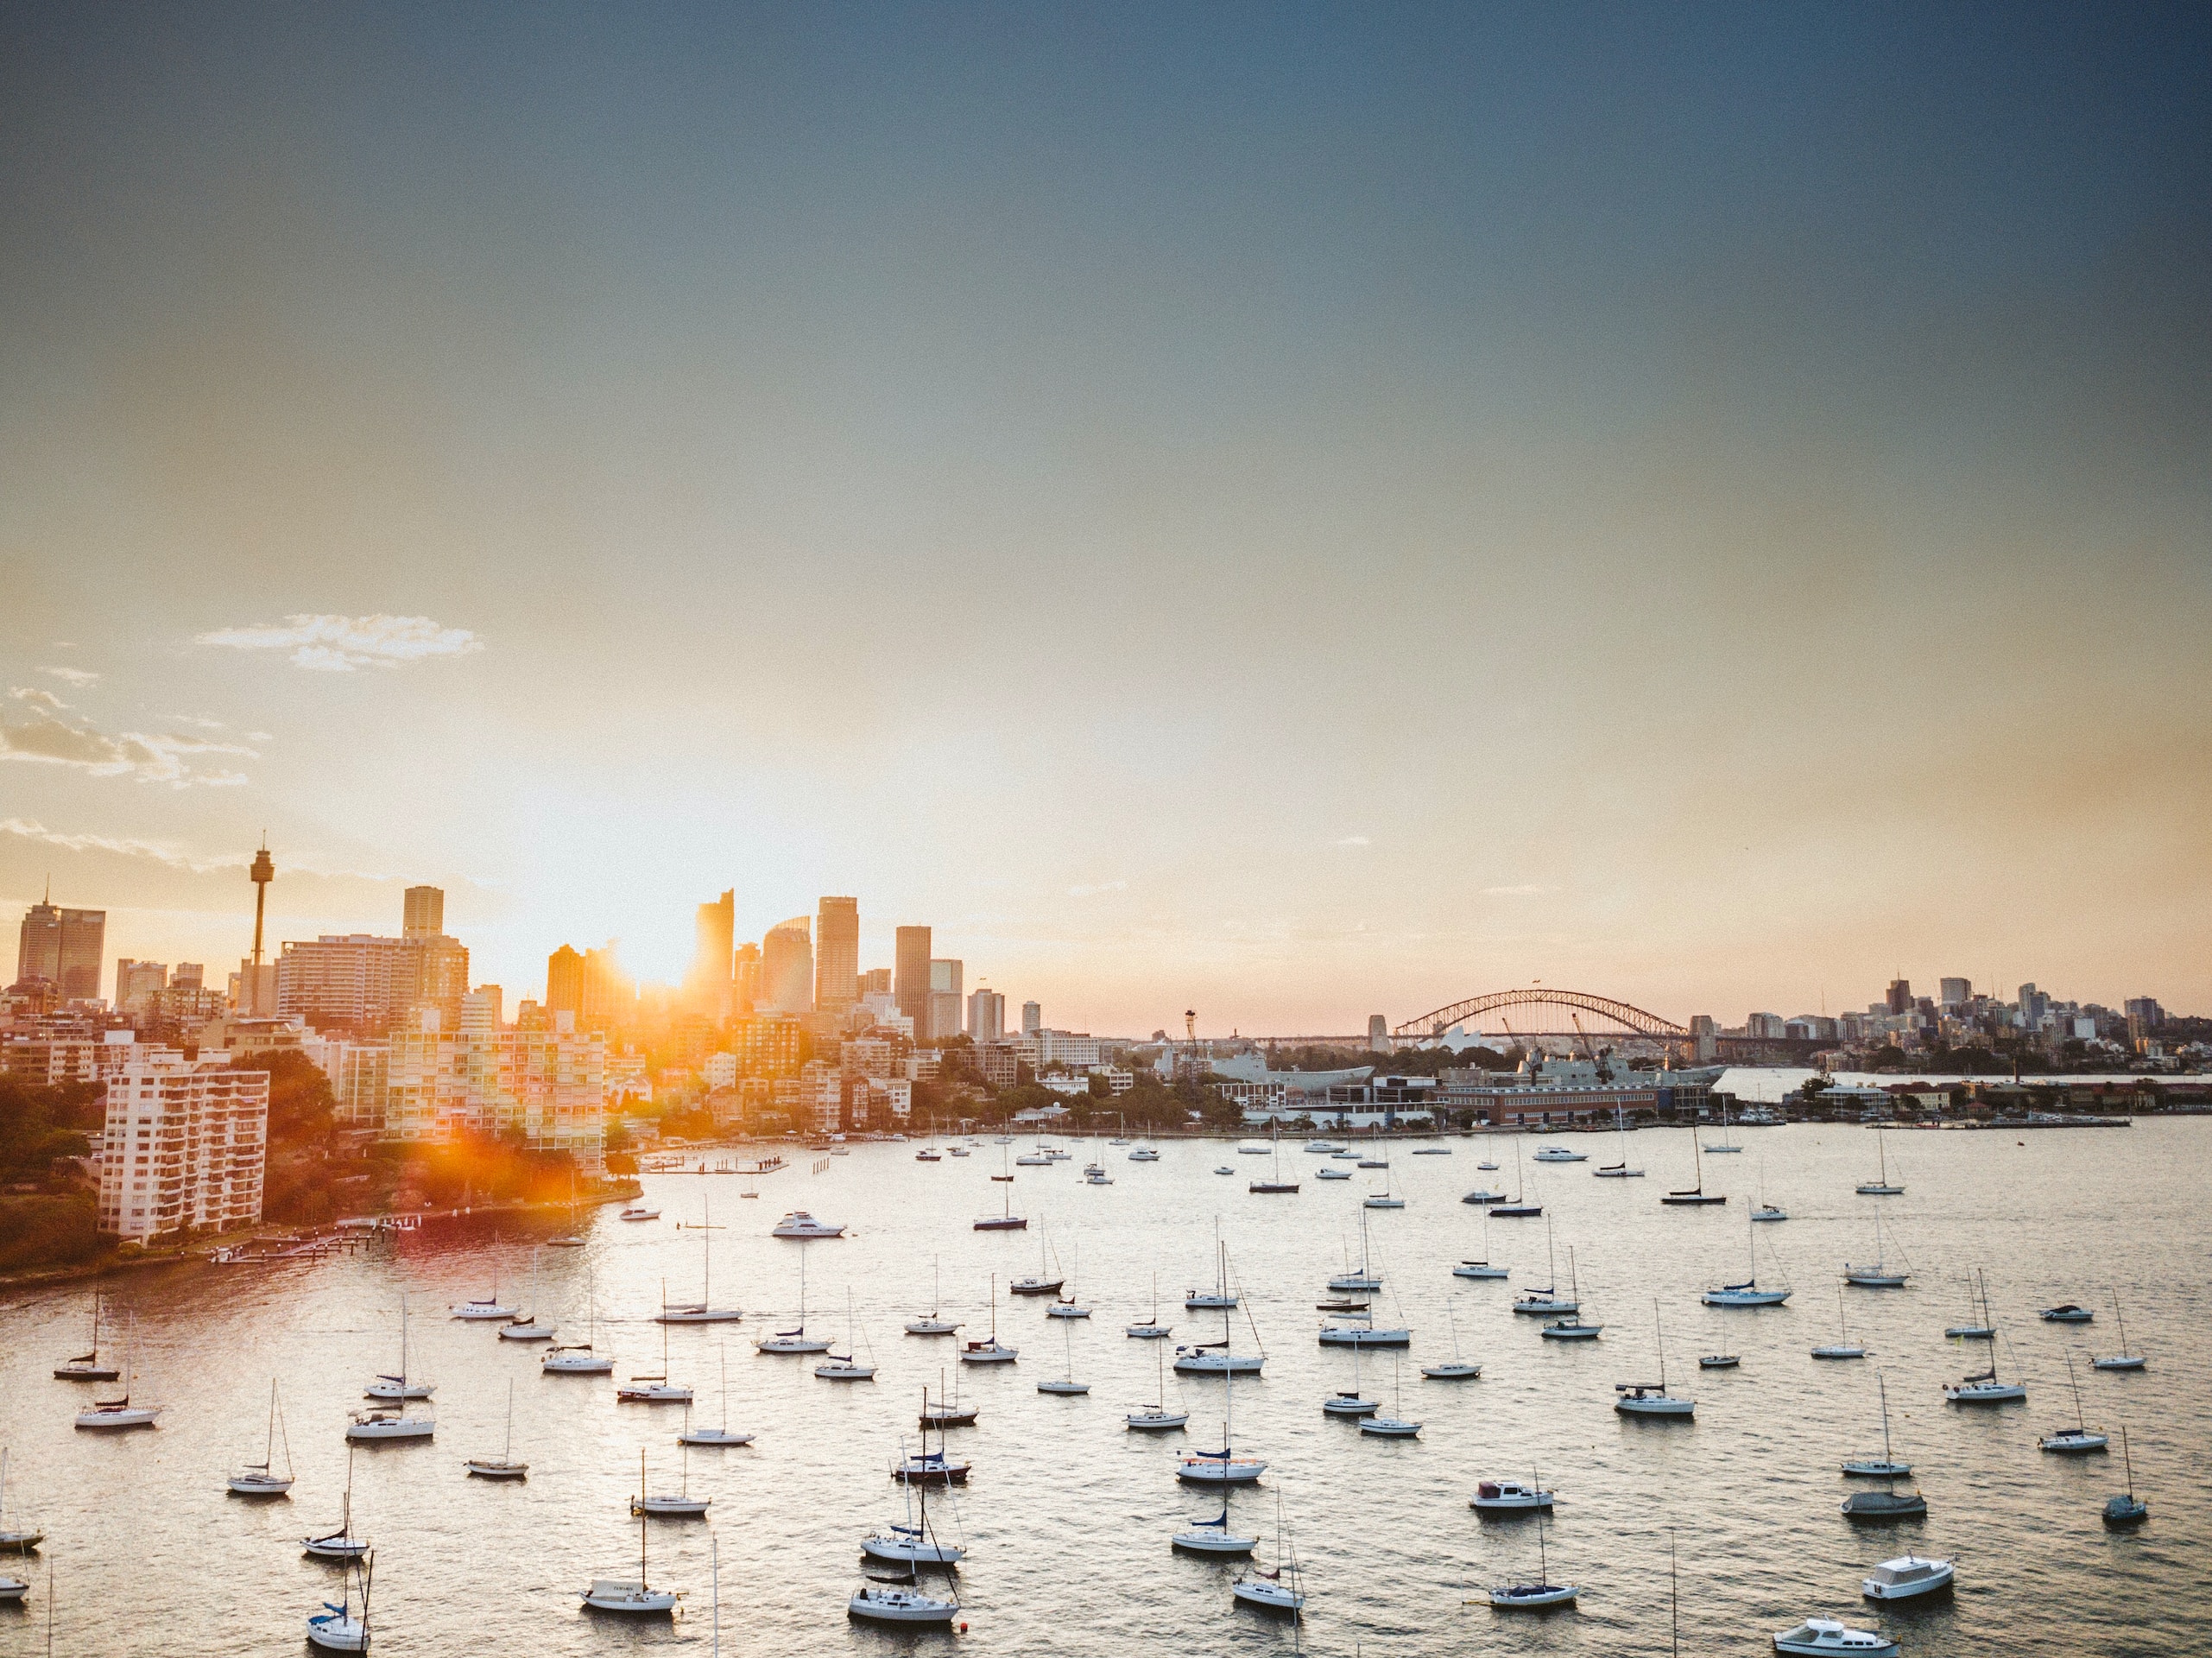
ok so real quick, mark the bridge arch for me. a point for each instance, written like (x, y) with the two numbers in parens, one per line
(1605, 1007)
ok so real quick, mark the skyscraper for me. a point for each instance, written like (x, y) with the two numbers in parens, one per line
(423, 914)
(713, 955)
(62, 947)
(836, 959)
(1957, 992)
(565, 981)
(1032, 1018)
(745, 980)
(910, 981)
(944, 1012)
(137, 983)
(787, 968)
(1899, 999)
(986, 1016)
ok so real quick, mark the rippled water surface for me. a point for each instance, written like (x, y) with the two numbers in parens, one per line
(1068, 1516)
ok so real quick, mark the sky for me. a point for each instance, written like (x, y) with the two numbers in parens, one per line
(1292, 512)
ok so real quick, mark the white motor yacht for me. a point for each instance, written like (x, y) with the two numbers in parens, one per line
(1509, 1496)
(1819, 1637)
(800, 1224)
(1907, 1577)
(1557, 1155)
(639, 1211)
(1144, 1155)
(13, 1590)
(882, 1603)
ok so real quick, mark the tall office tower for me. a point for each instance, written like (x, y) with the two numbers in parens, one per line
(609, 994)
(63, 947)
(910, 982)
(1032, 1018)
(565, 981)
(189, 975)
(876, 981)
(1378, 1034)
(745, 980)
(424, 915)
(943, 999)
(2034, 1005)
(986, 1016)
(787, 967)
(1955, 992)
(1900, 996)
(837, 959)
(137, 983)
(713, 952)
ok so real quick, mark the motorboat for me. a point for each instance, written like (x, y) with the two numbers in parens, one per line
(389, 1424)
(1906, 1578)
(639, 1211)
(1559, 1155)
(1509, 1496)
(1432, 1151)
(1818, 1637)
(254, 1479)
(1481, 1195)
(798, 1223)
(2066, 1313)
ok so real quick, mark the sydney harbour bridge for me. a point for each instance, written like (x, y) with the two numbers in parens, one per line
(1533, 1014)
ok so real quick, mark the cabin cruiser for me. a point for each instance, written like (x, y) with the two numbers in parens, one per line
(1817, 1636)
(800, 1224)
(1507, 1496)
(1907, 1576)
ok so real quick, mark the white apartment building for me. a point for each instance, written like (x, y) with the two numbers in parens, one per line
(821, 1097)
(720, 1070)
(1076, 1049)
(49, 1060)
(549, 1085)
(186, 1145)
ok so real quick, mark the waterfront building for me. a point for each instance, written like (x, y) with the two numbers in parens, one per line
(997, 1063)
(548, 1085)
(911, 977)
(185, 1145)
(62, 947)
(837, 954)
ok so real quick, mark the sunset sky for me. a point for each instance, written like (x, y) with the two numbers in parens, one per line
(1293, 512)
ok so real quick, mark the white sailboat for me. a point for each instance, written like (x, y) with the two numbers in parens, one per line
(1396, 1425)
(679, 1504)
(1157, 1418)
(1879, 1275)
(703, 1311)
(1977, 1326)
(933, 1323)
(654, 1387)
(1219, 1357)
(913, 1543)
(1985, 1387)
(1220, 1296)
(846, 1366)
(1648, 1398)
(787, 1343)
(1523, 1597)
(1574, 1327)
(2122, 1360)
(18, 1536)
(485, 1307)
(989, 1350)
(396, 1390)
(1354, 1403)
(1547, 1300)
(1067, 1306)
(1277, 1590)
(2080, 1439)
(528, 1327)
(87, 1366)
(1725, 1146)
(1458, 1369)
(1361, 1278)
(1842, 1347)
(720, 1435)
(1619, 1171)
(1882, 1186)
(342, 1544)
(1481, 1268)
(581, 1359)
(108, 1415)
(261, 1478)
(1152, 1329)
(1224, 1466)
(632, 1598)
(1067, 1383)
(503, 1466)
(339, 1627)
(1748, 1292)
(1886, 1466)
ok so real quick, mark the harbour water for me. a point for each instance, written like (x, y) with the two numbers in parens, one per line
(1068, 1516)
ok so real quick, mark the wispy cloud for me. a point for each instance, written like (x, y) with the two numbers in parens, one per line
(1087, 891)
(1525, 889)
(72, 675)
(1355, 840)
(32, 694)
(159, 851)
(339, 644)
(50, 737)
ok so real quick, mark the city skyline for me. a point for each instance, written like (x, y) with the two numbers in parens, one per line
(1284, 513)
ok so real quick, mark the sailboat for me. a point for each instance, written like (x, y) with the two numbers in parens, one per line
(794, 1341)
(1353, 1403)
(1458, 1369)
(912, 1543)
(1842, 1347)
(398, 1389)
(1519, 1209)
(703, 1311)
(19, 1537)
(1006, 1220)
(1277, 1590)
(1977, 1326)
(1067, 1383)
(1158, 1417)
(503, 1466)
(580, 1358)
(1724, 1146)
(1764, 1209)
(1360, 1278)
(947, 1413)
(1046, 1280)
(929, 1467)
(654, 1387)
(1222, 1467)
(1275, 1182)
(1619, 1171)
(528, 1327)
(1546, 1300)
(1152, 1329)
(2128, 1509)
(107, 1414)
(1067, 1306)
(1573, 1327)
(679, 1504)
(1219, 1357)
(338, 1628)
(1691, 1196)
(485, 1307)
(1220, 1296)
(1983, 1387)
(1213, 1537)
(261, 1478)
(990, 1350)
(1395, 1426)
(2122, 1360)
(342, 1544)
(2079, 1439)
(1878, 1276)
(933, 1323)
(718, 1435)
(1481, 1268)
(634, 1598)
(1543, 1592)
(1885, 1466)
(87, 1366)
(1749, 1291)
(1879, 1186)
(844, 1367)
(1648, 1398)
